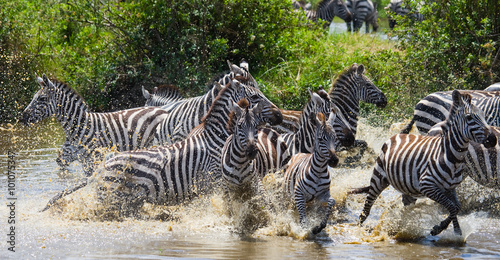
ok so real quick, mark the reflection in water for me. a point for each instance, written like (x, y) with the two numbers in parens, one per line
(203, 228)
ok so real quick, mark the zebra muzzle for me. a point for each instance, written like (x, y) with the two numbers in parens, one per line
(490, 141)
(334, 160)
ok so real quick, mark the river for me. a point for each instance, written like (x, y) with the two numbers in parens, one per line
(78, 227)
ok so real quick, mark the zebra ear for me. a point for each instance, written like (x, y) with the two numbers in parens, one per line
(315, 97)
(361, 69)
(460, 99)
(39, 80)
(258, 108)
(145, 93)
(235, 69)
(333, 114)
(47, 82)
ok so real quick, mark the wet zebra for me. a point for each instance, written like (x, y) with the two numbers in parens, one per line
(351, 87)
(434, 108)
(363, 11)
(162, 95)
(186, 114)
(326, 11)
(430, 166)
(174, 173)
(307, 177)
(87, 133)
(398, 8)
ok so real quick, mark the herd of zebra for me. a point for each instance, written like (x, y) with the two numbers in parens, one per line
(176, 148)
(356, 12)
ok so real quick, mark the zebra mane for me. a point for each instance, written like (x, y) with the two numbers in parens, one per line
(216, 102)
(243, 104)
(216, 78)
(67, 90)
(458, 103)
(162, 90)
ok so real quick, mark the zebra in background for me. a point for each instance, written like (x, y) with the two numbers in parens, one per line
(351, 87)
(88, 132)
(326, 11)
(398, 8)
(174, 173)
(307, 177)
(493, 87)
(363, 11)
(434, 108)
(186, 114)
(162, 95)
(430, 166)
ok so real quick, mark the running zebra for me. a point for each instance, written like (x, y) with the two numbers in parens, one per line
(351, 87)
(307, 177)
(88, 132)
(430, 166)
(186, 114)
(326, 11)
(174, 173)
(162, 95)
(398, 8)
(434, 108)
(363, 11)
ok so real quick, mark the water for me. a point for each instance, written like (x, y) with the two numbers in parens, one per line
(203, 228)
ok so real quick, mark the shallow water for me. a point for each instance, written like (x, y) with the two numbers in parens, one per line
(203, 228)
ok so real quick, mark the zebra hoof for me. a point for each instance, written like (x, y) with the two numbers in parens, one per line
(317, 229)
(436, 230)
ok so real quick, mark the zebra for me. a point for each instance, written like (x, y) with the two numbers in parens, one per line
(307, 177)
(162, 95)
(186, 114)
(493, 87)
(434, 108)
(326, 11)
(87, 133)
(351, 87)
(398, 8)
(174, 173)
(430, 166)
(362, 11)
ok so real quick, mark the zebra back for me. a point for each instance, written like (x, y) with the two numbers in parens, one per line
(362, 11)
(326, 11)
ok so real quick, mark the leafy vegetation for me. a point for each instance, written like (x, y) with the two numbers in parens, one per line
(107, 50)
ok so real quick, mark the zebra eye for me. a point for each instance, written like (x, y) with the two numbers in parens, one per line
(43, 98)
(468, 117)
(254, 98)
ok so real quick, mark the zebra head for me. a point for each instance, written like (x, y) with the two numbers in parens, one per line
(242, 74)
(243, 123)
(42, 105)
(340, 9)
(325, 139)
(470, 120)
(320, 101)
(366, 90)
(270, 112)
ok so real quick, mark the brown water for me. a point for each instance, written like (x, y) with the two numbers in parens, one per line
(203, 228)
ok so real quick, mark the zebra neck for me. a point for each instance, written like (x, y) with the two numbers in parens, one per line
(348, 104)
(319, 163)
(454, 144)
(304, 137)
(70, 109)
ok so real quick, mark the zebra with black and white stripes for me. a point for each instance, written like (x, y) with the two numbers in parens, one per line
(87, 133)
(326, 11)
(363, 11)
(307, 177)
(186, 114)
(162, 95)
(351, 87)
(400, 8)
(430, 166)
(434, 108)
(174, 173)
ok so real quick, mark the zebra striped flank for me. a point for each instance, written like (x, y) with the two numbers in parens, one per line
(363, 11)
(307, 177)
(434, 108)
(186, 114)
(172, 174)
(430, 166)
(88, 132)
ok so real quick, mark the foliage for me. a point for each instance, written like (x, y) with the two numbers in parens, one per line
(455, 47)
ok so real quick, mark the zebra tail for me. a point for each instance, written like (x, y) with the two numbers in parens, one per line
(359, 190)
(63, 194)
(408, 128)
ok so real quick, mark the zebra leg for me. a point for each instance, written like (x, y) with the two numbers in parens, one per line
(408, 200)
(329, 207)
(378, 183)
(301, 206)
(452, 194)
(432, 191)
(63, 194)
